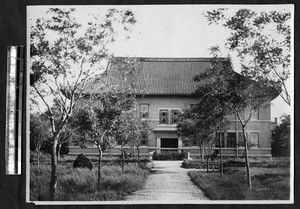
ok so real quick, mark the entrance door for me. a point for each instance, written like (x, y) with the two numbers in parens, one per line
(169, 143)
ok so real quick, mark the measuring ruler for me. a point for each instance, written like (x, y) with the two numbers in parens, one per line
(14, 95)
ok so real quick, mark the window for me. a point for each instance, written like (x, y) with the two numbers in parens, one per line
(192, 106)
(144, 110)
(163, 116)
(253, 139)
(218, 140)
(231, 139)
(174, 116)
(144, 140)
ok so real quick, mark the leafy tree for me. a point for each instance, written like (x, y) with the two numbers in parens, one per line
(64, 55)
(281, 138)
(141, 131)
(126, 131)
(262, 42)
(234, 94)
(39, 133)
(95, 124)
(198, 124)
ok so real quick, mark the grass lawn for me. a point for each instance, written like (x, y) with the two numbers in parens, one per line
(81, 184)
(267, 183)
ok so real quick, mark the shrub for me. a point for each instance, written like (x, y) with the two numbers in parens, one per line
(170, 156)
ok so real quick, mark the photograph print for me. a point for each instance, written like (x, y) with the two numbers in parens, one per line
(160, 104)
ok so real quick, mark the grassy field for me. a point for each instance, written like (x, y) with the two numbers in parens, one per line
(268, 183)
(81, 184)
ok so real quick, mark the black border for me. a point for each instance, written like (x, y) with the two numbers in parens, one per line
(13, 32)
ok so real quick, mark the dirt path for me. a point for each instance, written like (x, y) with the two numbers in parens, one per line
(170, 183)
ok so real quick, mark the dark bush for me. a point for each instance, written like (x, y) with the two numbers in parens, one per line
(82, 162)
(169, 156)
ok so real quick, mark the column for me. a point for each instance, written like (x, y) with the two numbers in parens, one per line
(179, 145)
(158, 144)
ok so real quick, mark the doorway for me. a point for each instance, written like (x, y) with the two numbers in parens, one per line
(169, 143)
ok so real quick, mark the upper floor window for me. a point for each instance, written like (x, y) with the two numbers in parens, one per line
(174, 116)
(163, 116)
(144, 110)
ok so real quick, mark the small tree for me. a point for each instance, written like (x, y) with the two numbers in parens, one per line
(235, 94)
(281, 138)
(126, 131)
(209, 143)
(95, 124)
(200, 122)
(141, 132)
(39, 134)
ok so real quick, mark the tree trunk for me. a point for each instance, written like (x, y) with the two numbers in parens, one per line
(221, 157)
(38, 157)
(99, 167)
(207, 163)
(123, 160)
(138, 151)
(58, 152)
(53, 183)
(246, 159)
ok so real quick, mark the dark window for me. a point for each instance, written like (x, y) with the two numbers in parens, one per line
(174, 116)
(163, 116)
(144, 109)
(218, 140)
(144, 139)
(231, 139)
(192, 106)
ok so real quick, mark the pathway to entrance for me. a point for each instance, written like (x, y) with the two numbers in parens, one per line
(170, 183)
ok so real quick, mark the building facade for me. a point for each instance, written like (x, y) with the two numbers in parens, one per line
(165, 87)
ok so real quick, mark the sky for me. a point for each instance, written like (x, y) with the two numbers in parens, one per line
(175, 31)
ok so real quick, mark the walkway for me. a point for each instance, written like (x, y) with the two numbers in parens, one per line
(168, 183)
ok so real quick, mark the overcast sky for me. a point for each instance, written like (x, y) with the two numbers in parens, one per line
(174, 31)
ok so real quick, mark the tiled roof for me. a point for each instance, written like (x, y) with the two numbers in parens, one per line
(170, 76)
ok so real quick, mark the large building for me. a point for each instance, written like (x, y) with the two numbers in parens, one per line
(165, 86)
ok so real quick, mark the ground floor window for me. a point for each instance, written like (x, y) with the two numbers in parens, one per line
(231, 139)
(218, 139)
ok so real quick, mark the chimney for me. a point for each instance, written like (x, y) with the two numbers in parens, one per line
(276, 121)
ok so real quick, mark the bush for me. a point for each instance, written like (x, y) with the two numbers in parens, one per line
(171, 156)
(82, 162)
(81, 184)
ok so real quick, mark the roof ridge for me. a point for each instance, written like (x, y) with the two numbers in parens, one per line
(176, 59)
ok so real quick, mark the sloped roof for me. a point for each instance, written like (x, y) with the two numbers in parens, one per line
(169, 76)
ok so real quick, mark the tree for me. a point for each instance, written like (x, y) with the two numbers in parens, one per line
(64, 56)
(198, 124)
(235, 94)
(141, 131)
(39, 134)
(262, 42)
(95, 124)
(281, 138)
(64, 139)
(126, 131)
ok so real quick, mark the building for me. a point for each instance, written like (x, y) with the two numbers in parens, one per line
(165, 87)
